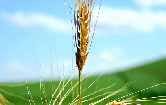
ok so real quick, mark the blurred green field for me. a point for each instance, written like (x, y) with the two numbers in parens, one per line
(148, 75)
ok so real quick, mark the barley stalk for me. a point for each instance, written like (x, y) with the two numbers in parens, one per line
(82, 19)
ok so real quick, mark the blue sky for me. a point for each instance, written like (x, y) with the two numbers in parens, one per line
(34, 33)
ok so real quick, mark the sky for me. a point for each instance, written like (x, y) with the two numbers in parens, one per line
(36, 37)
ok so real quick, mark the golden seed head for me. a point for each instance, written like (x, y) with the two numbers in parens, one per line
(82, 21)
(116, 103)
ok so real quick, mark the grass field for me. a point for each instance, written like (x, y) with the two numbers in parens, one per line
(149, 74)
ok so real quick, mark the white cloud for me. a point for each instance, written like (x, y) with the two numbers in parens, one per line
(15, 66)
(112, 58)
(16, 70)
(117, 20)
(110, 55)
(32, 19)
(107, 60)
(151, 3)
